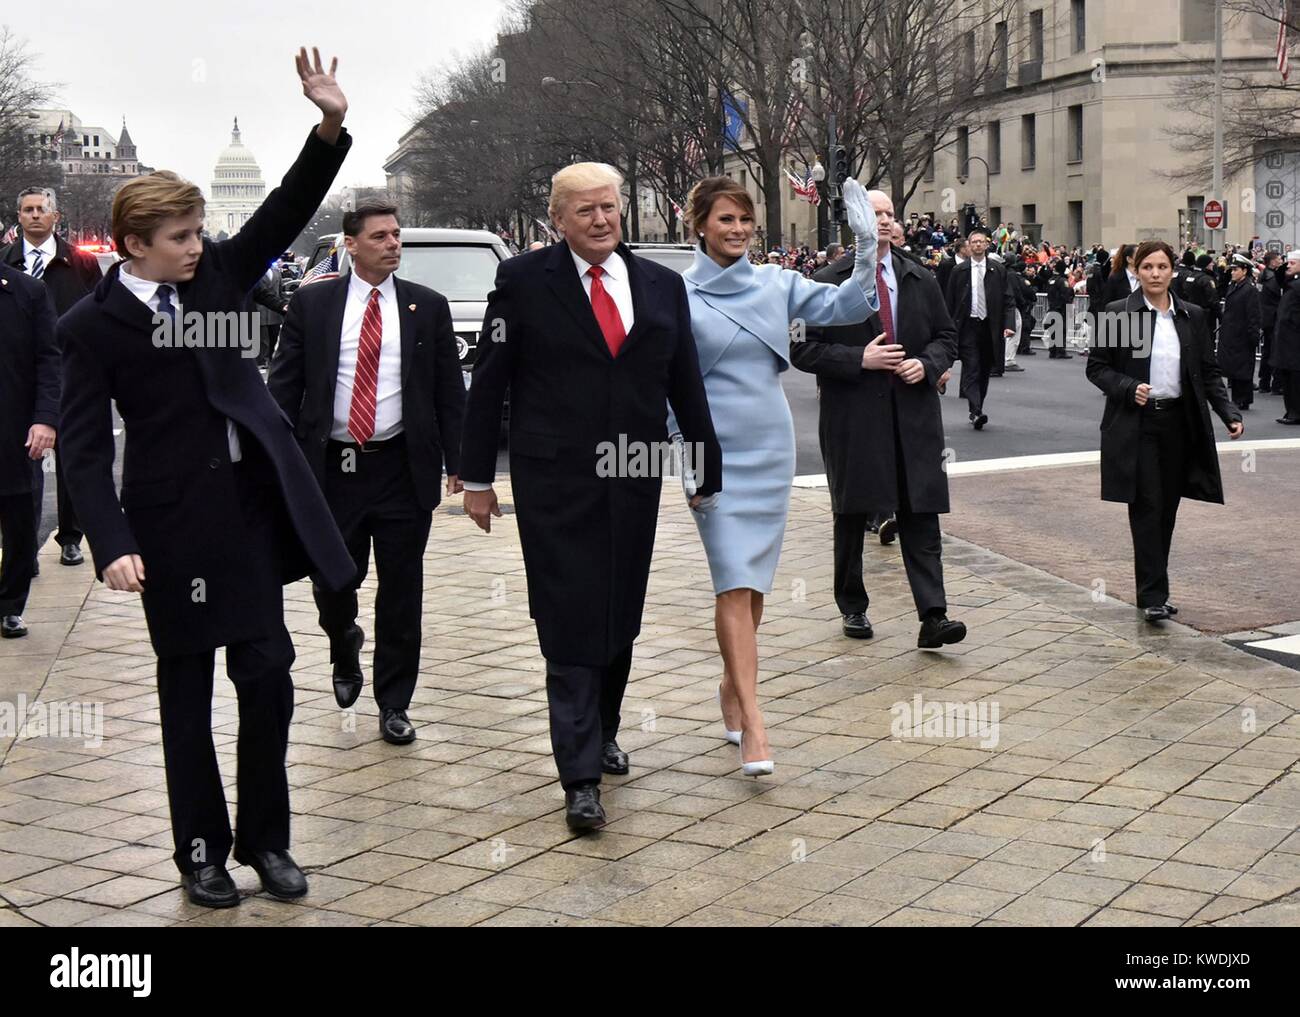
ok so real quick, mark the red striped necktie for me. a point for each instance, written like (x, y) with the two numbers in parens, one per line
(365, 380)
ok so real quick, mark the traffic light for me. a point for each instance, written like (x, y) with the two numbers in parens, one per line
(837, 211)
(839, 165)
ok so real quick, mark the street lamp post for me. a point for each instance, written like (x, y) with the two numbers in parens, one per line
(823, 204)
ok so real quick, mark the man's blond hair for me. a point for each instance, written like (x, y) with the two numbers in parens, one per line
(142, 204)
(583, 176)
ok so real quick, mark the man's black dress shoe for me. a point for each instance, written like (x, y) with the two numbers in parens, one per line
(395, 728)
(1031, 352)
(347, 668)
(36, 567)
(1171, 609)
(12, 627)
(1288, 420)
(857, 626)
(938, 631)
(210, 887)
(582, 808)
(1155, 614)
(280, 875)
(979, 420)
(71, 555)
(888, 530)
(613, 759)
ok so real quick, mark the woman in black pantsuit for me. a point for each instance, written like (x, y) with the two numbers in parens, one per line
(1156, 365)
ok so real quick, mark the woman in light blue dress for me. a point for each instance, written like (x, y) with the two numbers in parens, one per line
(742, 317)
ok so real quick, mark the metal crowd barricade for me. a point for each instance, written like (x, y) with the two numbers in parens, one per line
(1077, 324)
(1040, 315)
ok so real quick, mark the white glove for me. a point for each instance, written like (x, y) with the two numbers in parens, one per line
(862, 221)
(689, 486)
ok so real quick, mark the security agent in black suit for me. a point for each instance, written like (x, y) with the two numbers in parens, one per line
(218, 506)
(983, 320)
(1158, 371)
(376, 426)
(881, 431)
(69, 274)
(29, 415)
(587, 537)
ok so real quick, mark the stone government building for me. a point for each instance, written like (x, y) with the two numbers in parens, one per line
(1084, 155)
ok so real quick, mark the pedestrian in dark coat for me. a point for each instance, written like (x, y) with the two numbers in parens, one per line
(1285, 358)
(1270, 295)
(882, 436)
(1239, 333)
(1122, 279)
(69, 274)
(29, 415)
(1157, 444)
(983, 322)
(586, 391)
(218, 507)
(1059, 297)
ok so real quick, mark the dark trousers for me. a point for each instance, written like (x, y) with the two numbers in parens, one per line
(1026, 332)
(1243, 391)
(1161, 473)
(375, 502)
(69, 531)
(18, 537)
(1290, 381)
(584, 704)
(919, 539)
(975, 346)
(200, 824)
(1265, 371)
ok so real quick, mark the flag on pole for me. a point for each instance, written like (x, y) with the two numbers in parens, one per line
(11, 235)
(1283, 54)
(693, 154)
(793, 114)
(326, 268)
(805, 188)
(546, 228)
(678, 212)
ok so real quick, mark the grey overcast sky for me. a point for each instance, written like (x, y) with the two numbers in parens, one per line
(182, 71)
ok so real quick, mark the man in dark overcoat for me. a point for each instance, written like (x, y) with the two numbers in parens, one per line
(583, 382)
(881, 431)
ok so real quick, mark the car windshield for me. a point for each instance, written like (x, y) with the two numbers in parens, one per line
(676, 259)
(457, 271)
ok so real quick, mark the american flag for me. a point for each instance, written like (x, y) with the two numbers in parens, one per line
(326, 268)
(1283, 54)
(806, 188)
(693, 154)
(11, 235)
(793, 115)
(546, 228)
(678, 211)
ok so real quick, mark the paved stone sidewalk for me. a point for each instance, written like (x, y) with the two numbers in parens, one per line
(1139, 778)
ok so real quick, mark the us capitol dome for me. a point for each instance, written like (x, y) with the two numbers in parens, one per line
(237, 189)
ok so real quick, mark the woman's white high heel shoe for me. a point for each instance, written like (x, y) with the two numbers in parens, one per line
(759, 768)
(732, 736)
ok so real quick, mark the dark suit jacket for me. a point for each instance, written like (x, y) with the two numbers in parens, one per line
(304, 376)
(182, 507)
(69, 275)
(856, 407)
(1116, 288)
(29, 373)
(999, 300)
(943, 272)
(587, 536)
(1239, 331)
(1118, 369)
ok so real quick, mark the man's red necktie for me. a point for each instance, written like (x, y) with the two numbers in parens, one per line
(607, 316)
(365, 381)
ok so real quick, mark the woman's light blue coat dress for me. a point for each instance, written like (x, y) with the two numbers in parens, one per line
(741, 317)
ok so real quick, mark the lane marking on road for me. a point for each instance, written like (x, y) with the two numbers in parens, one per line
(1054, 460)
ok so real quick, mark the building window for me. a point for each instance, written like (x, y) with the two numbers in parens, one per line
(1078, 26)
(995, 215)
(966, 69)
(1076, 224)
(96, 139)
(995, 146)
(1198, 20)
(1028, 141)
(1074, 116)
(963, 151)
(1028, 214)
(929, 165)
(1000, 48)
(1036, 36)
